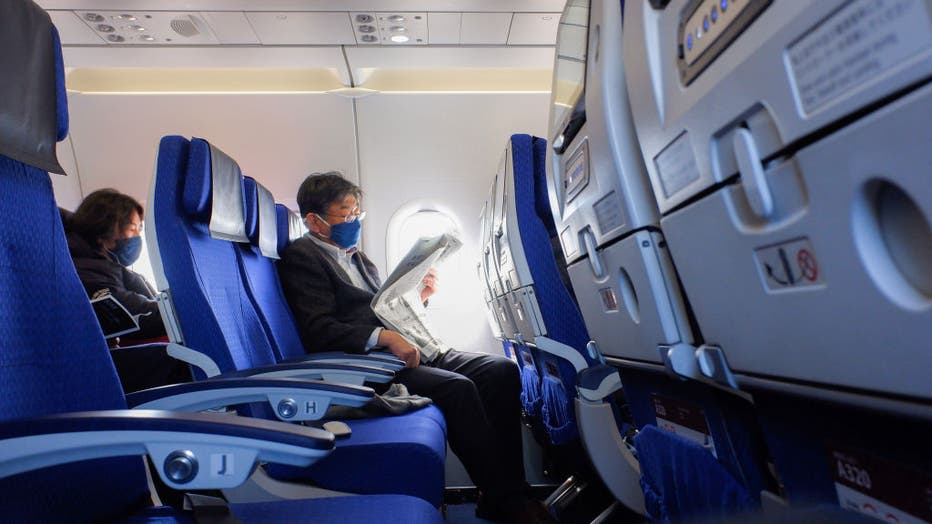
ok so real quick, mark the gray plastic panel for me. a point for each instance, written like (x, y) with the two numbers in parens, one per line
(513, 267)
(525, 313)
(497, 245)
(808, 63)
(839, 294)
(617, 197)
(638, 305)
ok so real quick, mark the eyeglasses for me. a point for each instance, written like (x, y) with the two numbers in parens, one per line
(352, 217)
(135, 227)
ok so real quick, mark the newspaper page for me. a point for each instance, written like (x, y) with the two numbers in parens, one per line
(398, 303)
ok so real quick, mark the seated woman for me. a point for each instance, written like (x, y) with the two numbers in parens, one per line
(103, 237)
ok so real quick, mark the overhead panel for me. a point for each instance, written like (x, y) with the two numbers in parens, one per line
(72, 30)
(231, 27)
(296, 28)
(149, 27)
(399, 28)
(534, 29)
(444, 28)
(485, 28)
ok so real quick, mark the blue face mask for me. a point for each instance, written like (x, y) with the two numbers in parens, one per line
(345, 234)
(127, 250)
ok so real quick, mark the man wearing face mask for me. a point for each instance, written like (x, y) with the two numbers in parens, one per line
(329, 285)
(103, 237)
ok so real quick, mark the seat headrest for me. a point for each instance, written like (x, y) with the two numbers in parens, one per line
(213, 191)
(261, 221)
(33, 105)
(289, 225)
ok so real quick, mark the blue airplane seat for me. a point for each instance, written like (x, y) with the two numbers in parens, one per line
(60, 389)
(217, 317)
(260, 275)
(561, 324)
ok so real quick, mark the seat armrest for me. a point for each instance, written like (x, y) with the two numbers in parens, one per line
(291, 399)
(596, 383)
(190, 450)
(342, 373)
(379, 359)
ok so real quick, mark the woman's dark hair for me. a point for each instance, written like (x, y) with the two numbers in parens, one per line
(102, 215)
(319, 190)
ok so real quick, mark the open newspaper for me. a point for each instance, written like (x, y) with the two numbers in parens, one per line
(398, 303)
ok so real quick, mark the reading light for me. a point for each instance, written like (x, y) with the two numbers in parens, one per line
(396, 18)
(399, 39)
(397, 29)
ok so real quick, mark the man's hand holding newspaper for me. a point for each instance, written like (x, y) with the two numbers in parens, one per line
(399, 303)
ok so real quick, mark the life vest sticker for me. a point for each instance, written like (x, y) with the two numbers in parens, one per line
(683, 419)
(882, 489)
(789, 266)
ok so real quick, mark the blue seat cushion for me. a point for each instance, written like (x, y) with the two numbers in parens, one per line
(403, 455)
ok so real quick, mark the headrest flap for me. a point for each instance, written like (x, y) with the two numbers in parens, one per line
(228, 207)
(31, 76)
(290, 226)
(296, 226)
(213, 190)
(261, 218)
(252, 209)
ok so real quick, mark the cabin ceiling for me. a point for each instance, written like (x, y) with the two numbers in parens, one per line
(345, 43)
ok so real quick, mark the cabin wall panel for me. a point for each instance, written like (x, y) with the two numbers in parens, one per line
(276, 138)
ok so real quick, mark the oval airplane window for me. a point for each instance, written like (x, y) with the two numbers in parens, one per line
(456, 312)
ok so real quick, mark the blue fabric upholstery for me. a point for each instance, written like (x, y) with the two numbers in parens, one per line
(52, 348)
(369, 453)
(733, 427)
(342, 510)
(682, 480)
(530, 380)
(219, 289)
(559, 312)
(61, 95)
(731, 421)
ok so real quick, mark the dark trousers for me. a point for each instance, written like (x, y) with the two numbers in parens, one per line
(479, 395)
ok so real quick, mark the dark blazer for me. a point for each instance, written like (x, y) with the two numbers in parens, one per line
(98, 272)
(332, 314)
